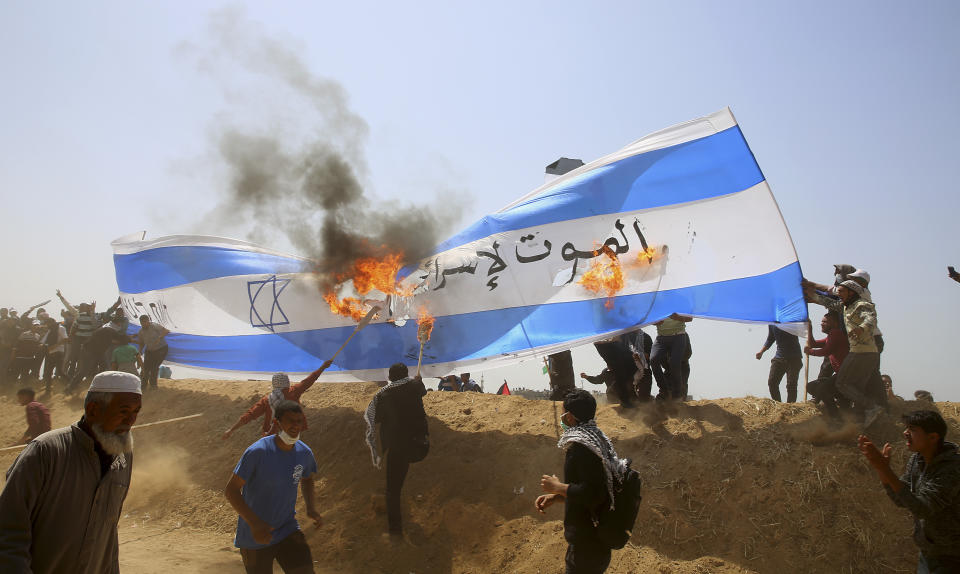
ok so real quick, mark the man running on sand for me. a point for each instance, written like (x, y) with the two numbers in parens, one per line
(281, 391)
(263, 491)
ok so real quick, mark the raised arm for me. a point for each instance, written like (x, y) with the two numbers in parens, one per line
(301, 387)
(66, 304)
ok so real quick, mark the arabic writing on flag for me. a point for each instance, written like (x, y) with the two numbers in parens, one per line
(683, 216)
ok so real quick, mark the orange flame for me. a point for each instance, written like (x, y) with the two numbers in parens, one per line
(604, 277)
(424, 324)
(367, 274)
(647, 255)
(348, 306)
(370, 273)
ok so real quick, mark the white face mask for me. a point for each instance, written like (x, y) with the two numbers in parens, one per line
(287, 439)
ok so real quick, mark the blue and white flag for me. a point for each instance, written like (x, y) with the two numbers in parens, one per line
(686, 210)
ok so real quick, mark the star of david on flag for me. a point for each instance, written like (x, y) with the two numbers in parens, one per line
(264, 293)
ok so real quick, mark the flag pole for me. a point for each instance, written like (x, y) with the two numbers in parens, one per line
(363, 323)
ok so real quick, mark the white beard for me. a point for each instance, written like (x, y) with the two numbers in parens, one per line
(112, 443)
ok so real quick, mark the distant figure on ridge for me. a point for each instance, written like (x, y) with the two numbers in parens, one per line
(468, 384)
(835, 348)
(787, 360)
(38, 417)
(153, 346)
(669, 358)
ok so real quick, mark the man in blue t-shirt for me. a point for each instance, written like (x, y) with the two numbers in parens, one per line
(263, 491)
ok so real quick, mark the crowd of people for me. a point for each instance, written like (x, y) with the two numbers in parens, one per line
(92, 459)
(83, 342)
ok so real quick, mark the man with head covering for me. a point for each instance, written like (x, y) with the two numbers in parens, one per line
(591, 472)
(281, 391)
(398, 408)
(64, 493)
(863, 361)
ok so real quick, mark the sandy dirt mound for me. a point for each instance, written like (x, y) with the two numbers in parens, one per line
(730, 485)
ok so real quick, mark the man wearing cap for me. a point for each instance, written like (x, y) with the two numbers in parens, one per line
(591, 469)
(863, 360)
(282, 390)
(64, 493)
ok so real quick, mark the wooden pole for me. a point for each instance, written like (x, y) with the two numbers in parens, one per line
(145, 425)
(806, 377)
(344, 344)
(363, 323)
(420, 357)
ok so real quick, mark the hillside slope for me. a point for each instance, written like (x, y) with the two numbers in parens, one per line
(731, 485)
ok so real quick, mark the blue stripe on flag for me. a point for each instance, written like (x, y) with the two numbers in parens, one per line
(712, 166)
(491, 333)
(165, 267)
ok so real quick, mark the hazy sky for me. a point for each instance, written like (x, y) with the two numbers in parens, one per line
(109, 112)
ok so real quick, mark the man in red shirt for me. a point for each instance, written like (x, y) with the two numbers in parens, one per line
(38, 417)
(282, 390)
(835, 347)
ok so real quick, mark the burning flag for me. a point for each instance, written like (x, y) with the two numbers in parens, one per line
(604, 277)
(526, 281)
(368, 274)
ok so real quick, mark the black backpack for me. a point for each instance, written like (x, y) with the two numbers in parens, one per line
(614, 526)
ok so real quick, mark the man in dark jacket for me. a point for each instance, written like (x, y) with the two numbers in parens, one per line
(398, 408)
(787, 360)
(591, 469)
(929, 488)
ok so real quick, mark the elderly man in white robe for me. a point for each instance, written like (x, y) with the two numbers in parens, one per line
(63, 497)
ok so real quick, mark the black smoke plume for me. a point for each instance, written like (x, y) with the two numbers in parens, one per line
(309, 189)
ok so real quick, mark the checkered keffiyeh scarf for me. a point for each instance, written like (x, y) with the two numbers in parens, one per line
(589, 435)
(280, 382)
(371, 417)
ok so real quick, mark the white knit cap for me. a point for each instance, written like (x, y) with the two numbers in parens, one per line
(115, 382)
(860, 274)
(281, 381)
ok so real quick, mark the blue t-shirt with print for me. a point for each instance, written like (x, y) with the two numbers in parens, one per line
(271, 477)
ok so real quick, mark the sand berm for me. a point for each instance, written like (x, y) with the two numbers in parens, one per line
(730, 485)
